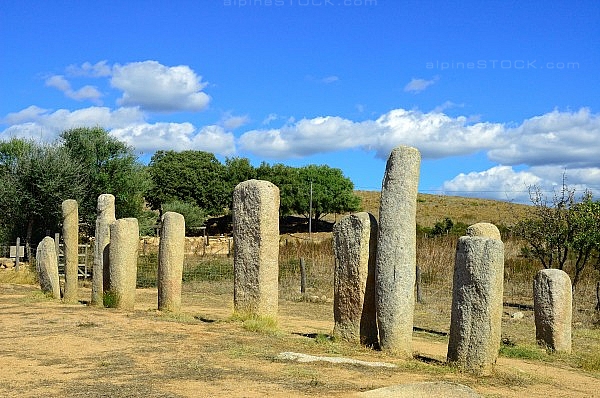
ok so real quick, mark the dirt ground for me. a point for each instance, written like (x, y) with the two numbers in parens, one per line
(49, 349)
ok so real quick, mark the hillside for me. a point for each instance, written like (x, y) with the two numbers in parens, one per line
(434, 208)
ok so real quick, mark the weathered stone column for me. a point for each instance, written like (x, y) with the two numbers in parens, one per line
(70, 231)
(395, 269)
(484, 229)
(476, 319)
(123, 256)
(46, 264)
(256, 248)
(552, 303)
(105, 217)
(170, 261)
(354, 245)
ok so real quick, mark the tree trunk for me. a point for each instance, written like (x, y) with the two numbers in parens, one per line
(597, 296)
(29, 233)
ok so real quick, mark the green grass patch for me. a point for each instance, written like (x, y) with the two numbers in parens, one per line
(110, 299)
(255, 323)
(522, 352)
(590, 362)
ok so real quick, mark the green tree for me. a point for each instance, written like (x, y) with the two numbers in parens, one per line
(35, 180)
(107, 166)
(287, 180)
(563, 233)
(189, 176)
(194, 216)
(332, 192)
(237, 170)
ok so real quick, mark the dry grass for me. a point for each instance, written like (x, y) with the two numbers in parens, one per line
(25, 275)
(434, 208)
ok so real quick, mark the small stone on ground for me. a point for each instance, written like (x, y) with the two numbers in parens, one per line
(422, 390)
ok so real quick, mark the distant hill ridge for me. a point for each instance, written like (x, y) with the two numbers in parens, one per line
(434, 208)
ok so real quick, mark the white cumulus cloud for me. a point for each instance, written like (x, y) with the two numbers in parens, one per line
(232, 122)
(85, 93)
(505, 183)
(87, 69)
(568, 139)
(417, 85)
(435, 134)
(159, 88)
(35, 122)
(148, 138)
(499, 182)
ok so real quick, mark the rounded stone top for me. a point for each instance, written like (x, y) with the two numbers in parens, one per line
(484, 229)
(554, 273)
(106, 201)
(256, 184)
(360, 217)
(69, 207)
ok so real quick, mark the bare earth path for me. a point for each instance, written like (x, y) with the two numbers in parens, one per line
(48, 349)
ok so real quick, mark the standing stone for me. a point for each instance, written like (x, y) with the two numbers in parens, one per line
(123, 255)
(46, 264)
(395, 269)
(484, 229)
(70, 233)
(354, 245)
(552, 303)
(475, 328)
(256, 242)
(105, 217)
(170, 261)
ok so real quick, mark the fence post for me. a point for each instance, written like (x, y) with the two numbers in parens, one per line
(57, 246)
(17, 254)
(418, 283)
(302, 276)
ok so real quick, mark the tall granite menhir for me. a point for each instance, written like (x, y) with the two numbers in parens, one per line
(170, 261)
(70, 230)
(105, 217)
(123, 255)
(476, 303)
(552, 303)
(354, 245)
(395, 269)
(256, 247)
(46, 264)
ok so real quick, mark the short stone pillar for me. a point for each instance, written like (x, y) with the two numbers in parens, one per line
(476, 320)
(484, 229)
(256, 248)
(123, 256)
(46, 264)
(170, 261)
(395, 269)
(105, 217)
(354, 245)
(552, 303)
(70, 231)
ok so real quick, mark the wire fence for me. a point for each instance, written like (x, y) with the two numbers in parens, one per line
(315, 258)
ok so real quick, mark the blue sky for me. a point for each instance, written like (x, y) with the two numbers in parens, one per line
(497, 95)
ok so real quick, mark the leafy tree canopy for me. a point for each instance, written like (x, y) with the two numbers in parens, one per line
(194, 216)
(198, 177)
(35, 180)
(563, 233)
(108, 166)
(189, 176)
